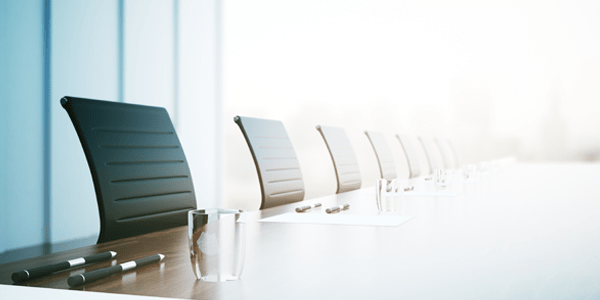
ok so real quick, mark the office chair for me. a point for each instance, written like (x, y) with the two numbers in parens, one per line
(275, 159)
(141, 177)
(343, 157)
(385, 159)
(414, 167)
(445, 151)
(454, 153)
(429, 148)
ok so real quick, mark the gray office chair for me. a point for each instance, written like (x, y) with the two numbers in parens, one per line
(414, 166)
(343, 157)
(384, 155)
(275, 159)
(430, 153)
(454, 153)
(445, 151)
(141, 177)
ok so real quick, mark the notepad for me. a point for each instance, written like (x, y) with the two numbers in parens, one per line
(339, 219)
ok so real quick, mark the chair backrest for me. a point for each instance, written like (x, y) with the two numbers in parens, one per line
(343, 157)
(414, 167)
(454, 153)
(140, 173)
(384, 155)
(430, 152)
(275, 159)
(445, 151)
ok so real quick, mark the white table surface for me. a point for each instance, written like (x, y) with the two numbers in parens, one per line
(528, 232)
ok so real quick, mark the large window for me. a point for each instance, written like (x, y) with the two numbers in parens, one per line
(498, 77)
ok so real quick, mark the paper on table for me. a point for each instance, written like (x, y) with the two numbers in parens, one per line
(432, 193)
(426, 193)
(23, 292)
(339, 219)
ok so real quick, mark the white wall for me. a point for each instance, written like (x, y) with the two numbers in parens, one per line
(516, 77)
(160, 49)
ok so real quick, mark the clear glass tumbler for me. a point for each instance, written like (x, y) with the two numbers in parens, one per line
(442, 179)
(471, 172)
(389, 195)
(217, 240)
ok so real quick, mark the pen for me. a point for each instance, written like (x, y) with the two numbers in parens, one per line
(305, 207)
(101, 273)
(45, 270)
(337, 208)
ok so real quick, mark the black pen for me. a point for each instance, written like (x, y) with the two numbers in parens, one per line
(101, 273)
(45, 270)
(337, 208)
(305, 207)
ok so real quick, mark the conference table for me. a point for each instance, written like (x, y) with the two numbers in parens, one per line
(527, 231)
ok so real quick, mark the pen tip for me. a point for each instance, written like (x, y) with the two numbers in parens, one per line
(161, 256)
(113, 253)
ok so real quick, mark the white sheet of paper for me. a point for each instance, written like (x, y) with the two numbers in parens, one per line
(432, 193)
(24, 292)
(339, 219)
(426, 193)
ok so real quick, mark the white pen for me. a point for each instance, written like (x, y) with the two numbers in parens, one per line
(305, 207)
(337, 208)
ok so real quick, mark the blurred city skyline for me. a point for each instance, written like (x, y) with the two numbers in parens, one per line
(500, 78)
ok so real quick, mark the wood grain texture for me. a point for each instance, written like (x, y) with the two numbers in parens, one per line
(525, 233)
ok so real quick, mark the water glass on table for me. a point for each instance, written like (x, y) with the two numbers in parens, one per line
(389, 194)
(471, 172)
(217, 241)
(442, 179)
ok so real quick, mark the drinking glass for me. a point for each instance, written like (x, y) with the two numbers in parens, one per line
(442, 179)
(389, 195)
(484, 168)
(471, 172)
(217, 241)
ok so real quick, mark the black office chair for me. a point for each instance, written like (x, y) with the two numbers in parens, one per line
(343, 157)
(275, 159)
(141, 177)
(383, 153)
